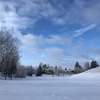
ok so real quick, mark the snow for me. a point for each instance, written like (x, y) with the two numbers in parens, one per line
(84, 86)
(93, 74)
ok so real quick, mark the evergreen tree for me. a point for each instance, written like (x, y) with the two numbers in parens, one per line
(94, 64)
(29, 71)
(77, 65)
(65, 68)
(44, 68)
(39, 71)
(78, 68)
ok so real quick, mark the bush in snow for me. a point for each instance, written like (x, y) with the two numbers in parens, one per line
(21, 72)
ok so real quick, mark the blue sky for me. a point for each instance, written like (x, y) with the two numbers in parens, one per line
(56, 32)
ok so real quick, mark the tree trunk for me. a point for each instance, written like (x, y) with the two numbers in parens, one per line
(5, 77)
(11, 77)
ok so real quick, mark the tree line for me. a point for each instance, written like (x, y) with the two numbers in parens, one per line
(87, 66)
(43, 68)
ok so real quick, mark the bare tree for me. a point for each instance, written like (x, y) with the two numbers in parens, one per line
(21, 72)
(86, 66)
(9, 49)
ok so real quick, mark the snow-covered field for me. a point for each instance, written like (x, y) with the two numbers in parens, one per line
(85, 86)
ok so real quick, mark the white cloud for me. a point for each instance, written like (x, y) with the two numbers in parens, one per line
(10, 19)
(34, 40)
(27, 13)
(95, 51)
(24, 13)
(92, 13)
(59, 21)
(50, 53)
(82, 31)
(37, 9)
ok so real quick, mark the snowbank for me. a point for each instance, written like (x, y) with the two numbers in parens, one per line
(93, 74)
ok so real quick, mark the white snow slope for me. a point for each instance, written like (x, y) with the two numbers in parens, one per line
(84, 86)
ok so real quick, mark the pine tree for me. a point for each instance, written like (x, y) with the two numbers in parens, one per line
(94, 64)
(77, 68)
(29, 71)
(44, 68)
(39, 71)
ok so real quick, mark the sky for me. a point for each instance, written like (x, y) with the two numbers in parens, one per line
(56, 32)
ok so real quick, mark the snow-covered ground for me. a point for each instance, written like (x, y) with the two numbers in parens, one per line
(85, 86)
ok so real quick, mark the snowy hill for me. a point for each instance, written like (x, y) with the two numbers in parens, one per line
(94, 71)
(93, 74)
